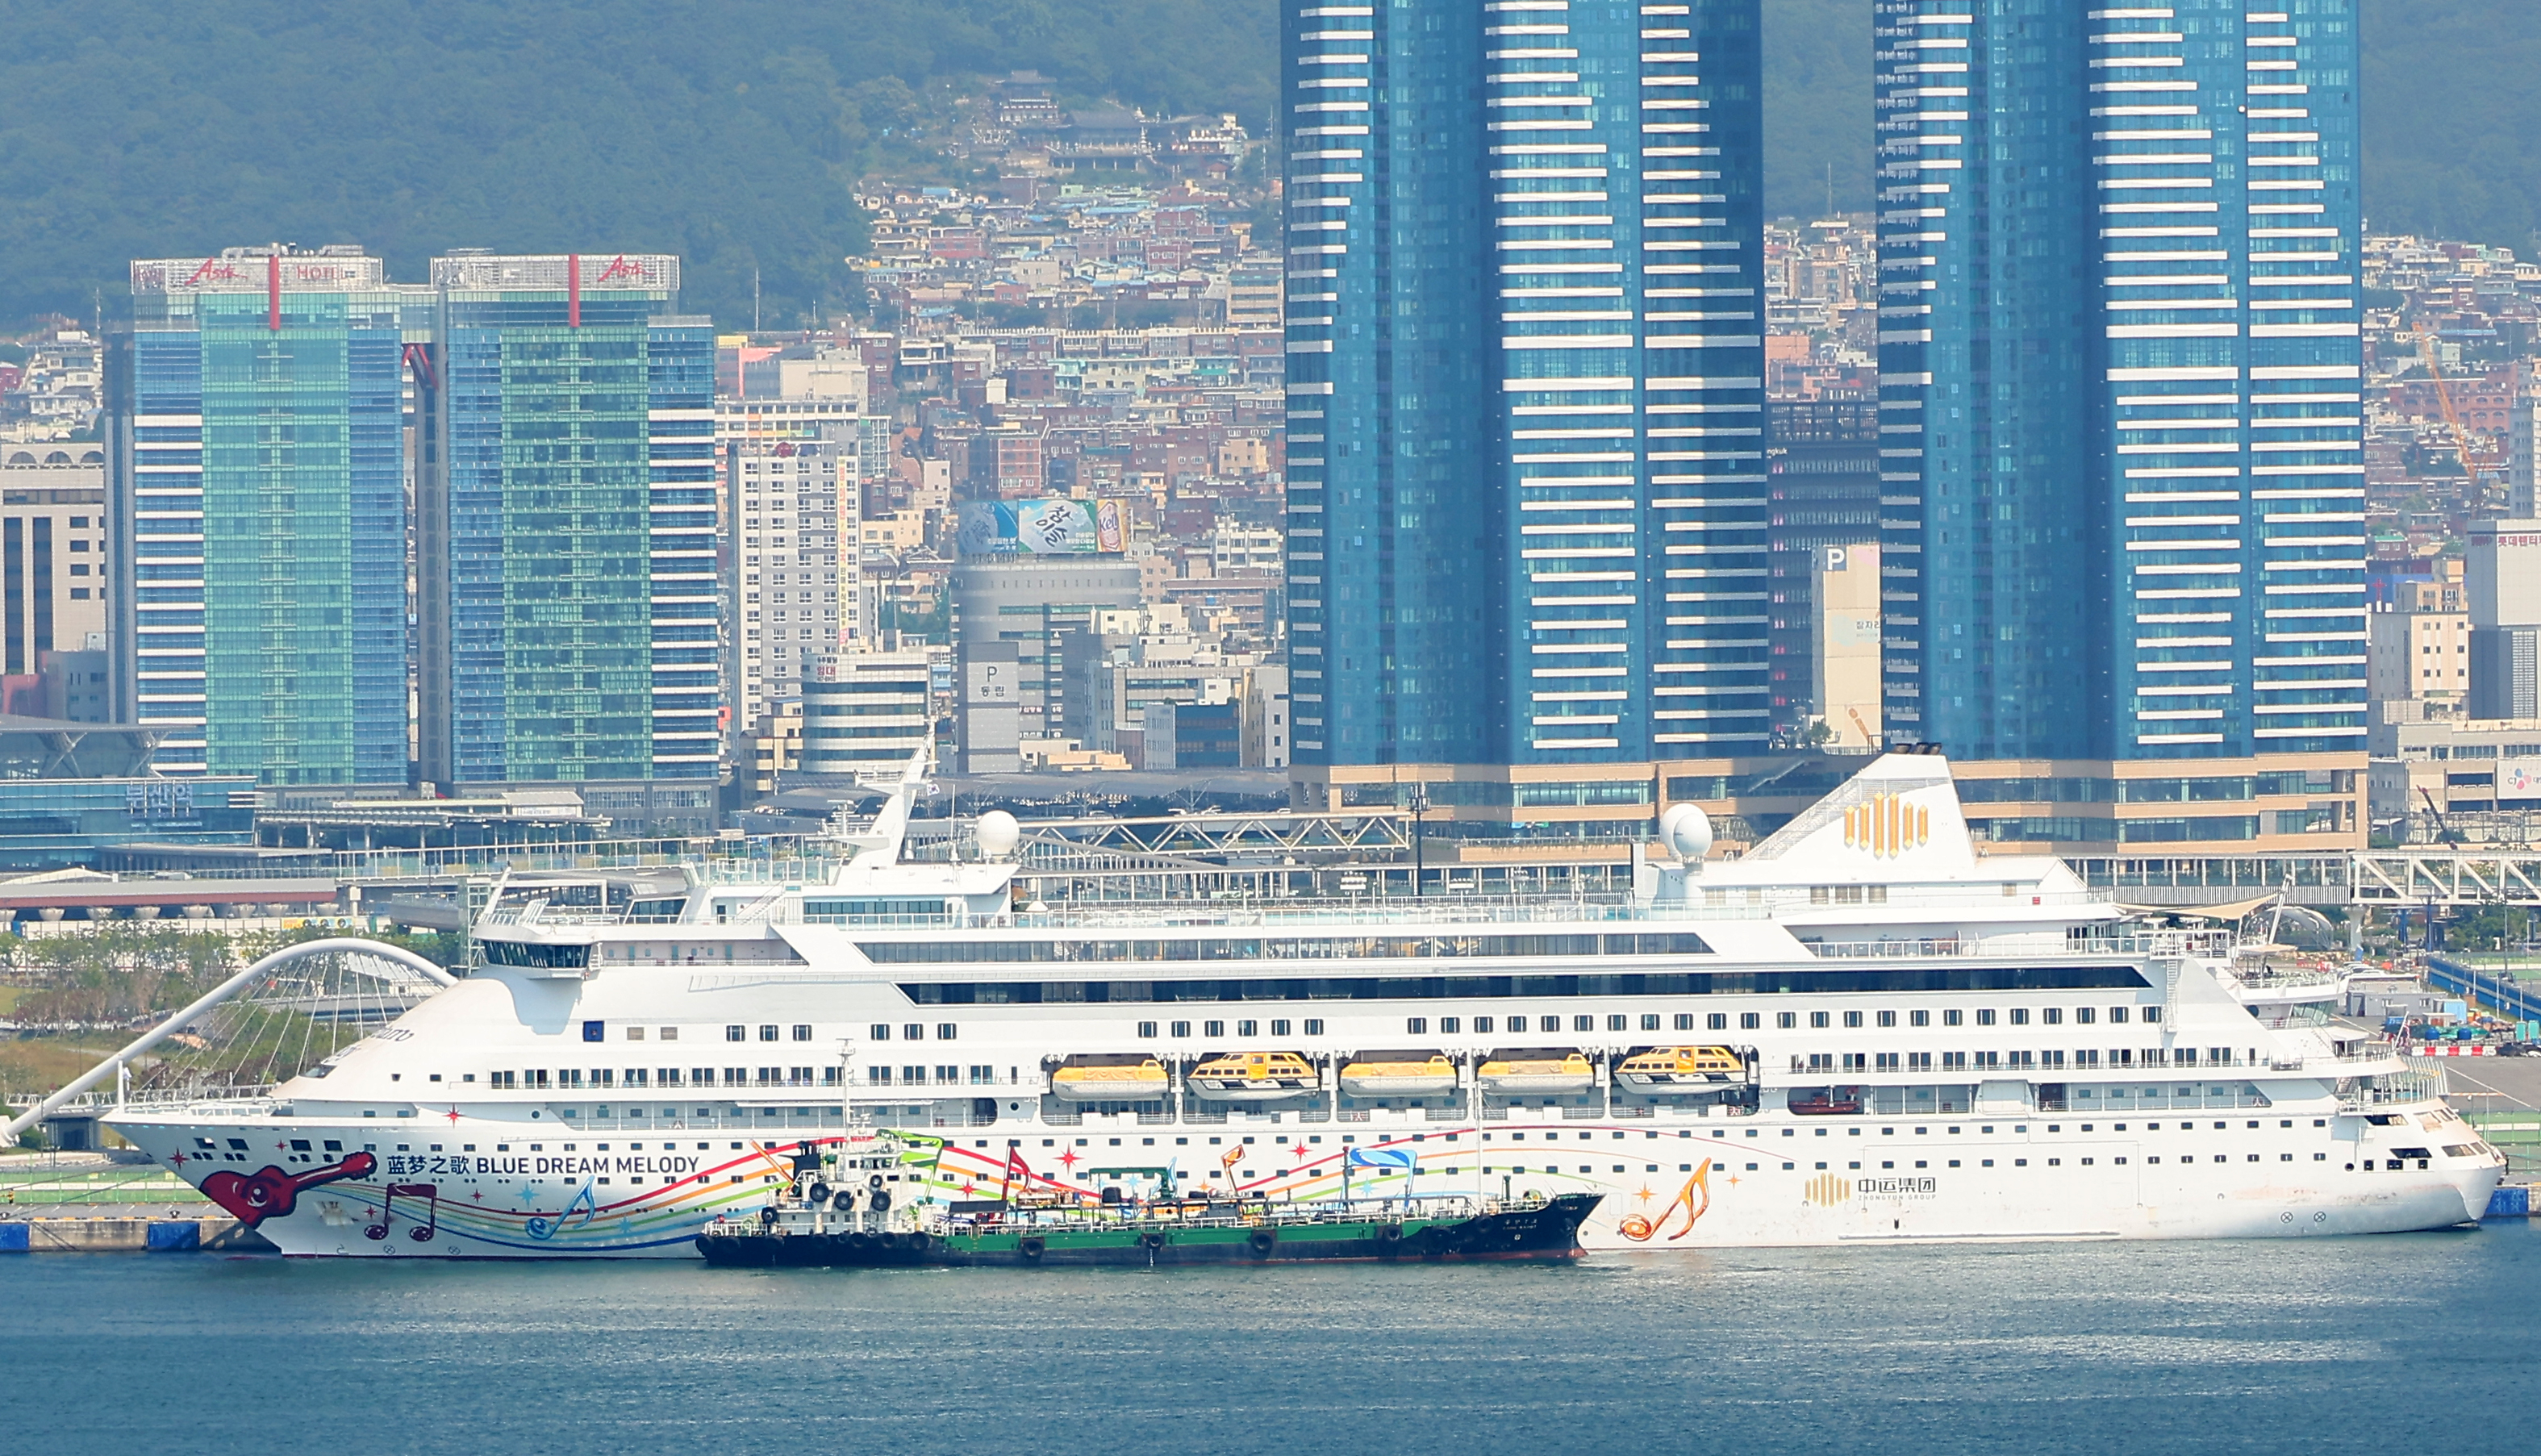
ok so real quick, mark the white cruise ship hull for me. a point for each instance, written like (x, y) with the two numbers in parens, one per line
(1705, 1185)
(1935, 1046)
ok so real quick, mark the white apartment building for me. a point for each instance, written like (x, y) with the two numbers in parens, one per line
(793, 592)
(1236, 547)
(2422, 654)
(865, 714)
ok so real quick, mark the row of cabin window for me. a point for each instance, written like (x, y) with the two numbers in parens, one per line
(574, 1078)
(1650, 1021)
(598, 1031)
(2050, 1057)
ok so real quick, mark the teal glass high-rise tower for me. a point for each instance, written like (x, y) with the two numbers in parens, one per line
(2120, 378)
(263, 515)
(1525, 381)
(569, 611)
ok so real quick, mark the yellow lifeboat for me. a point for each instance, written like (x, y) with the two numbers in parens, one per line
(1399, 1074)
(1674, 1068)
(1253, 1076)
(1143, 1081)
(1553, 1072)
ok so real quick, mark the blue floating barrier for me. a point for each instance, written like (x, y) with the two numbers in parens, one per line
(13, 1238)
(2510, 1200)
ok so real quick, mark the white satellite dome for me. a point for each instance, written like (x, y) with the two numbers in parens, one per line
(998, 834)
(1686, 830)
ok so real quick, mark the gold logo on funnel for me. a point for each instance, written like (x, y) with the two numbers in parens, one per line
(1886, 825)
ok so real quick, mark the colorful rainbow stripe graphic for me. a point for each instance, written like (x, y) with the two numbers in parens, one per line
(430, 1219)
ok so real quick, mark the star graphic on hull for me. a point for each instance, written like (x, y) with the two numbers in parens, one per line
(176, 1160)
(1069, 1160)
(1298, 1150)
(452, 1115)
(1643, 1195)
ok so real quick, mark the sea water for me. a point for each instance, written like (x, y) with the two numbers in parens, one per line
(2335, 1345)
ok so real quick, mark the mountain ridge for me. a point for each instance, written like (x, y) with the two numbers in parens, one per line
(731, 136)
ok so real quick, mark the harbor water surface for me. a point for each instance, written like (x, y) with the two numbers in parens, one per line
(2335, 1345)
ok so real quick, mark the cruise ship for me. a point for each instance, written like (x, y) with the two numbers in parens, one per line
(1858, 1032)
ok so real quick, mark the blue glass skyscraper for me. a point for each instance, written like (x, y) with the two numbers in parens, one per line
(2120, 378)
(262, 514)
(570, 613)
(1525, 362)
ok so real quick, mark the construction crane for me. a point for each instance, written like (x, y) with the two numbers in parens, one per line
(2471, 460)
(2443, 832)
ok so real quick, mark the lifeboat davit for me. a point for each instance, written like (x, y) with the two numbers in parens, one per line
(1399, 1074)
(1128, 1081)
(1253, 1076)
(1677, 1068)
(1554, 1074)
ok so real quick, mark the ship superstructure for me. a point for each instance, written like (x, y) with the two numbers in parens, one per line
(1861, 1030)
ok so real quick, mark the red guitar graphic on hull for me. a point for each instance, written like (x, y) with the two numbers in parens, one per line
(271, 1193)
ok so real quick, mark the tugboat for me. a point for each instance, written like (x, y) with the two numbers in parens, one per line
(812, 1223)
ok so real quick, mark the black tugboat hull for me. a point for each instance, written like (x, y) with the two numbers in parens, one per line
(1550, 1232)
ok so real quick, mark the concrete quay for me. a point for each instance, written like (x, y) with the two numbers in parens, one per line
(112, 1230)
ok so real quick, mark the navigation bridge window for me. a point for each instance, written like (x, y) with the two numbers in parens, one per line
(839, 912)
(1769, 981)
(543, 957)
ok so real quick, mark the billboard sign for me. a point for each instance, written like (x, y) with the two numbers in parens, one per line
(2519, 779)
(1041, 527)
(593, 271)
(242, 271)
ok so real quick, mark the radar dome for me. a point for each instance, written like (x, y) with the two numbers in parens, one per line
(1686, 830)
(998, 834)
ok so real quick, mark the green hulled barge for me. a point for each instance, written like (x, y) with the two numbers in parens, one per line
(853, 1223)
(1403, 1230)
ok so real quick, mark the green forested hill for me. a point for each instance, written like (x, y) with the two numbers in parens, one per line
(725, 132)
(2452, 112)
(2452, 118)
(721, 131)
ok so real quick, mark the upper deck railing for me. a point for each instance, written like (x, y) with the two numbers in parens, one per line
(788, 903)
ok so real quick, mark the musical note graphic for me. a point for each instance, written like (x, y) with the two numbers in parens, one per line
(547, 1228)
(1641, 1230)
(421, 1233)
(273, 1192)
